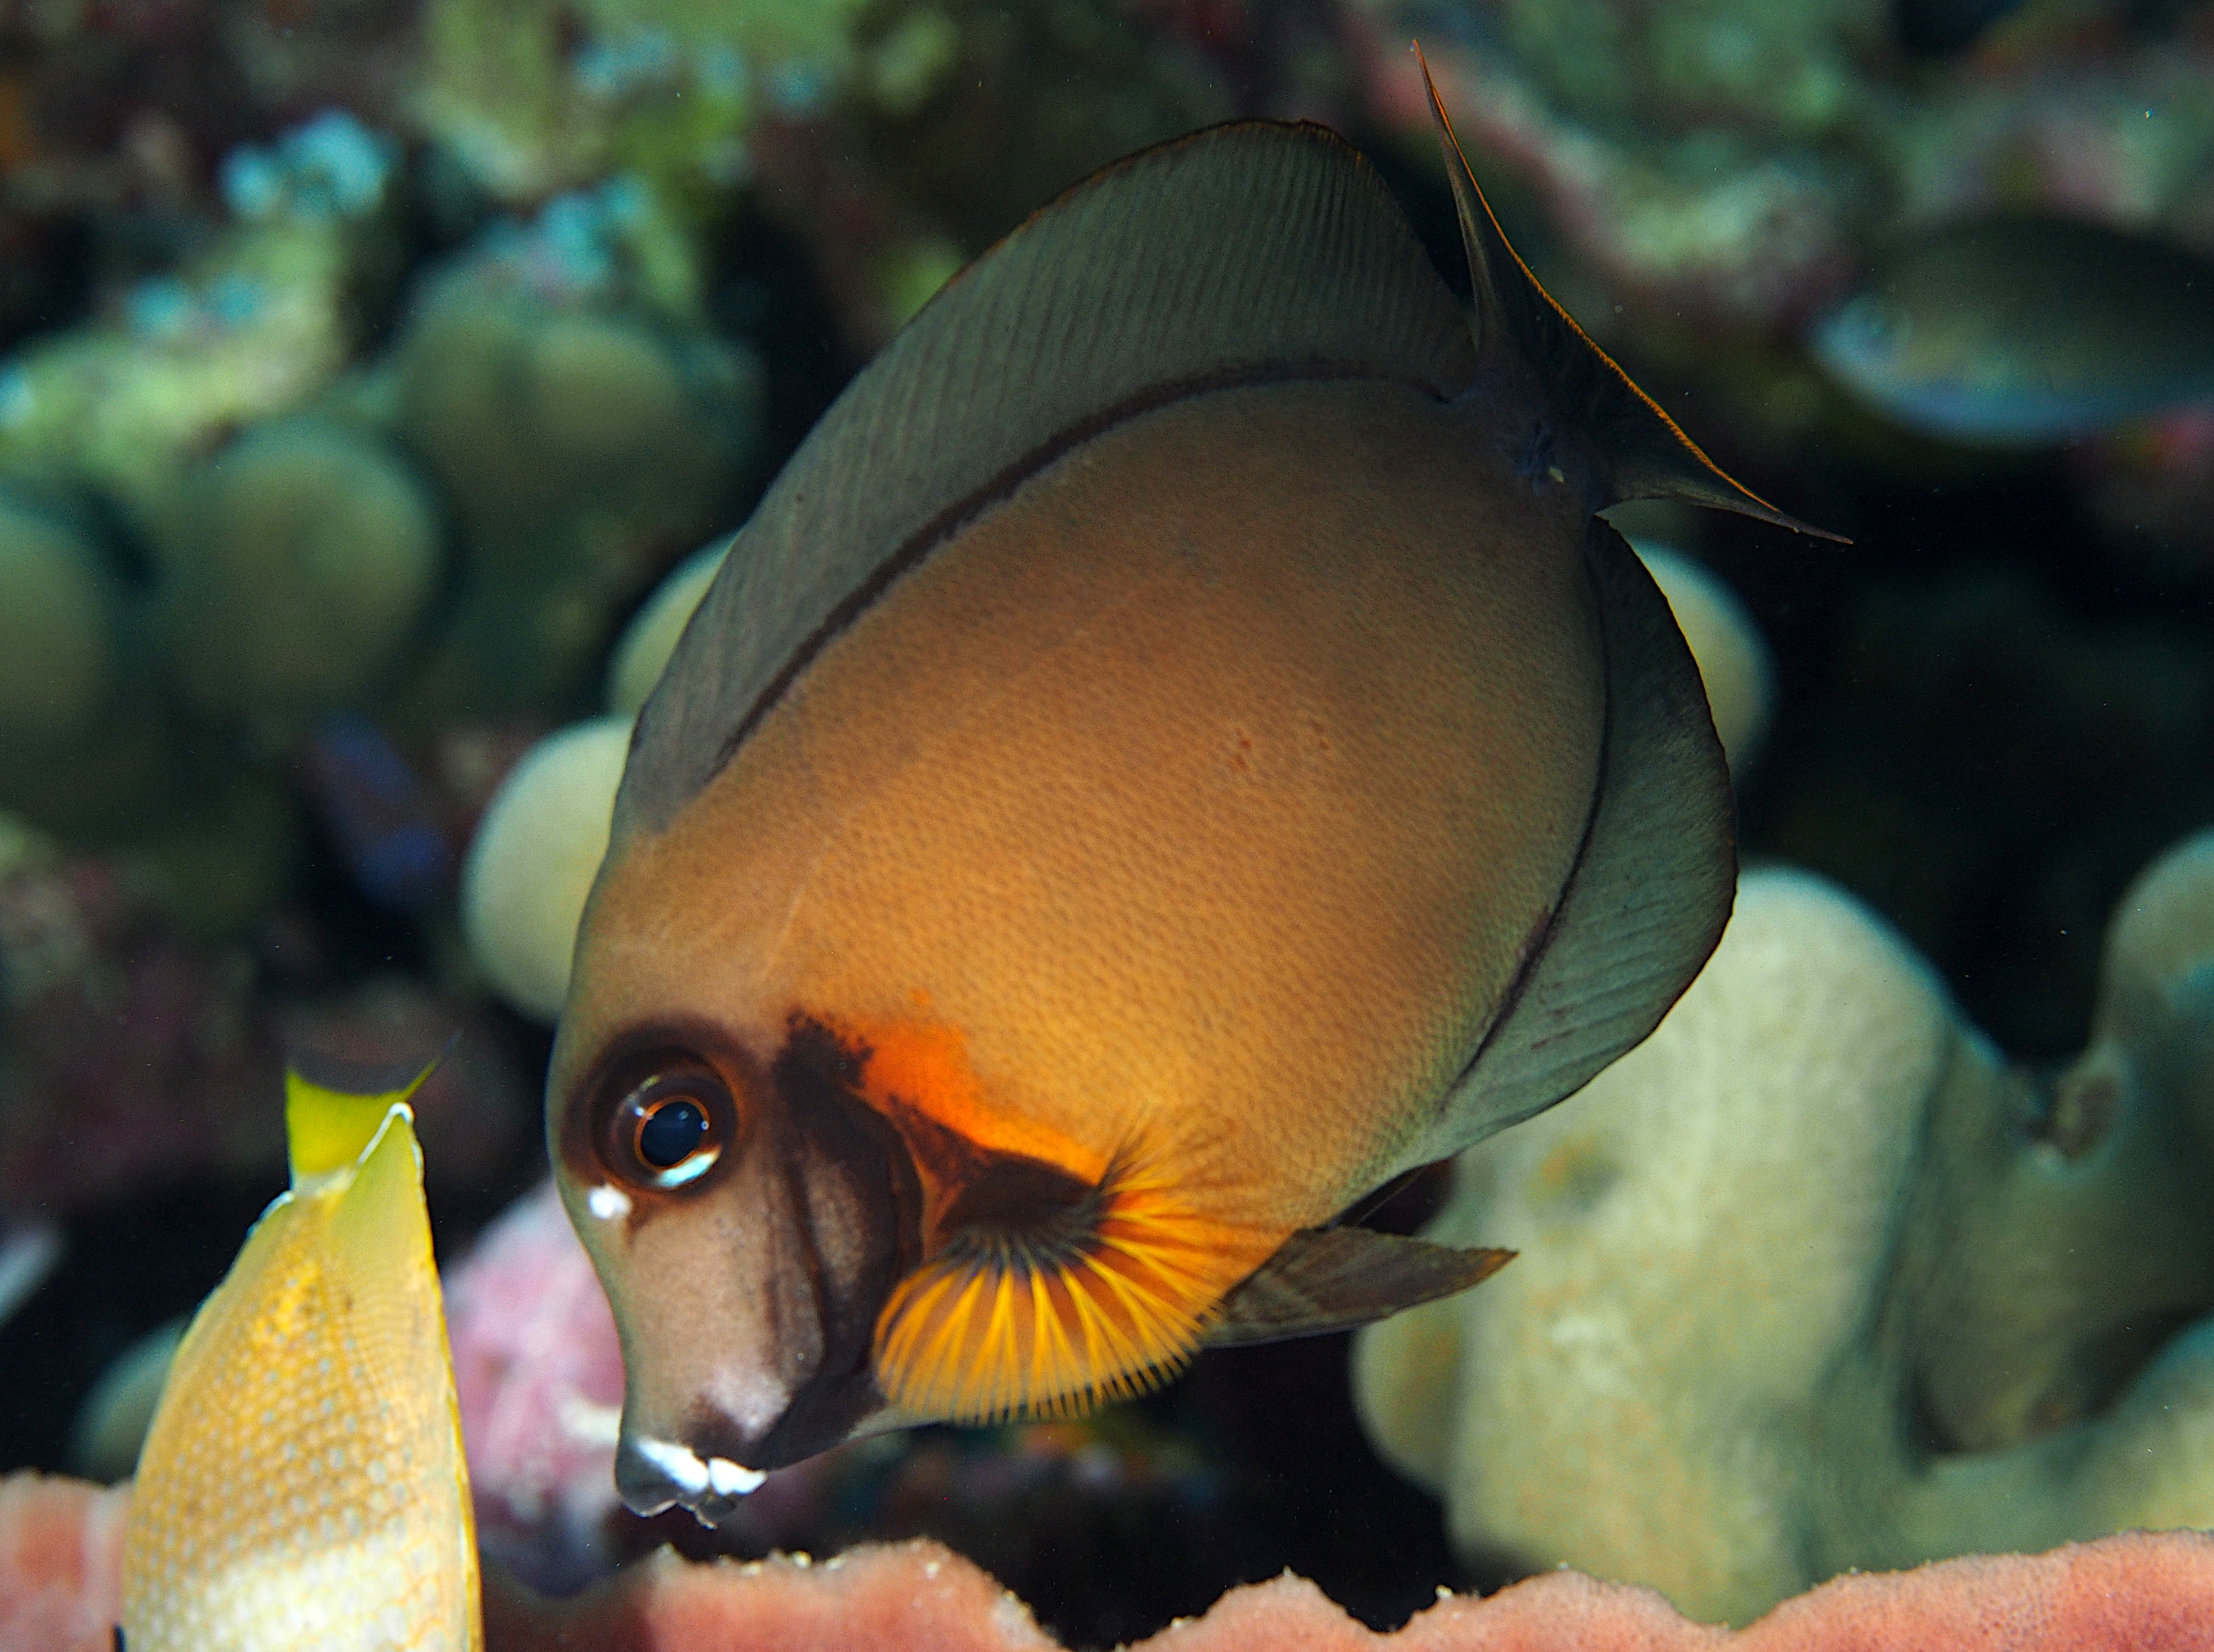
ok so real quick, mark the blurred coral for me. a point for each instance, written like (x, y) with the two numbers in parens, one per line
(301, 559)
(132, 1054)
(643, 650)
(533, 98)
(58, 617)
(61, 1565)
(1815, 1280)
(59, 1541)
(534, 858)
(249, 329)
(582, 448)
(540, 1382)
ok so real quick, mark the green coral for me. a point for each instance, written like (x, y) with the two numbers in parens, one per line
(300, 560)
(580, 449)
(668, 88)
(262, 325)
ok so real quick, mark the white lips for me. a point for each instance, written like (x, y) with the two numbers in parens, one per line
(681, 1464)
(732, 1479)
(691, 1475)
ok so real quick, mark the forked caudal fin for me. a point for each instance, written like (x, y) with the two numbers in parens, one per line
(333, 1107)
(1635, 449)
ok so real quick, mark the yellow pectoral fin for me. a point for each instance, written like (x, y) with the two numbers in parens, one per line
(1004, 1324)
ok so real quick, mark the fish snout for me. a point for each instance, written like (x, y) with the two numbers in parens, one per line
(654, 1475)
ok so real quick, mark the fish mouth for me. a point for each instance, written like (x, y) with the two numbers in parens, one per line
(653, 1476)
(711, 1461)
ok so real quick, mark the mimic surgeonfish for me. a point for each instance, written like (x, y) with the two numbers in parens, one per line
(302, 1484)
(1173, 751)
(2015, 332)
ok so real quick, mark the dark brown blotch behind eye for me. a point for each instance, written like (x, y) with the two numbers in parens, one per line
(671, 1120)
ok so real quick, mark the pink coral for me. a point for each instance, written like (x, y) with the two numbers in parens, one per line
(540, 1382)
(60, 1542)
(61, 1553)
(2129, 1592)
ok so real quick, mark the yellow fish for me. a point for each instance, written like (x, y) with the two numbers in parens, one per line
(1173, 751)
(302, 1484)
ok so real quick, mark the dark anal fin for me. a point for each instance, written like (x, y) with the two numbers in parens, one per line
(1327, 1279)
(1635, 451)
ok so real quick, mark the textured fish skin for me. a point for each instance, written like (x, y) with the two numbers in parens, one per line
(1174, 750)
(302, 1484)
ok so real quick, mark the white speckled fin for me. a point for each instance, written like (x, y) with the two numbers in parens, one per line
(1243, 253)
(1637, 451)
(1651, 888)
(1327, 1279)
(380, 1247)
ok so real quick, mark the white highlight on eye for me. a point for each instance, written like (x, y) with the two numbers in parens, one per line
(607, 1203)
(690, 1170)
(732, 1479)
(679, 1463)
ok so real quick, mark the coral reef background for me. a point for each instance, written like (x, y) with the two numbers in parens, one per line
(365, 366)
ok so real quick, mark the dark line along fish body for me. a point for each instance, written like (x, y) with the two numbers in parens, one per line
(1173, 750)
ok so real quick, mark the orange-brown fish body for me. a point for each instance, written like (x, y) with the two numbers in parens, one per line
(1106, 880)
(1148, 811)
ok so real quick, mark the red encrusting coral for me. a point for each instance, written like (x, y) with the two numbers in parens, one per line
(61, 1565)
(60, 1544)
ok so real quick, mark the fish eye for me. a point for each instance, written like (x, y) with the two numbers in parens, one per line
(671, 1120)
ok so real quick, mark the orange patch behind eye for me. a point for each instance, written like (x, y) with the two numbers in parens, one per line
(925, 1066)
(1036, 1304)
(1004, 1322)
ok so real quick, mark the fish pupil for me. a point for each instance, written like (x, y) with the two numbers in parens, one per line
(671, 1133)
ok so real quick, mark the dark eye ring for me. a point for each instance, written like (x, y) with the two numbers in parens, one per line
(671, 1125)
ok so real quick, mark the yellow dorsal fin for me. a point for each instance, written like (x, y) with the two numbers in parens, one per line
(333, 1108)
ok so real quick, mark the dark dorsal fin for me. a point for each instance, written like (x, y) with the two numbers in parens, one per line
(1651, 887)
(1328, 1279)
(1242, 254)
(1637, 450)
